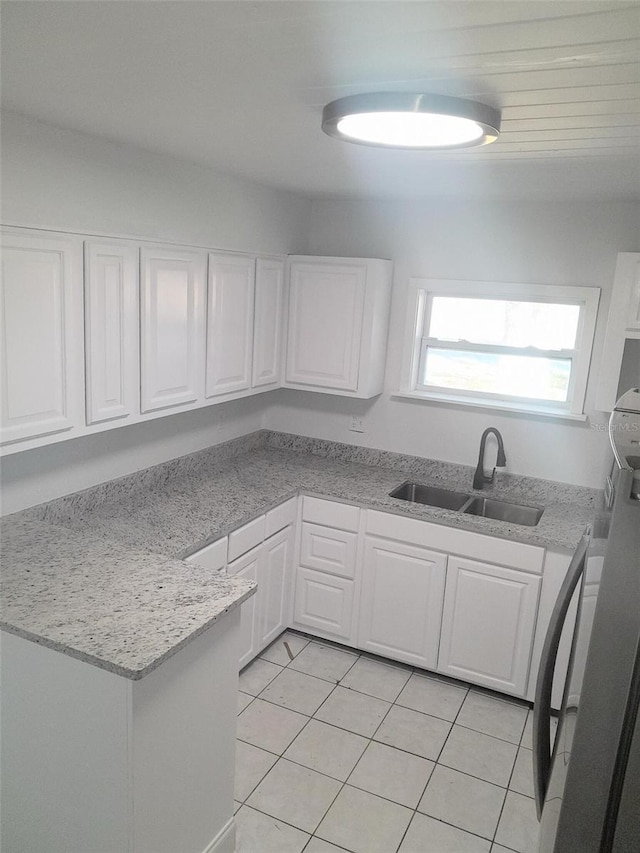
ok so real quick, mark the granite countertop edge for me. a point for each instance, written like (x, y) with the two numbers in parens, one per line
(176, 518)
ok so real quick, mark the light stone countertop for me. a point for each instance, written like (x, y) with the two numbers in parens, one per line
(122, 610)
(98, 575)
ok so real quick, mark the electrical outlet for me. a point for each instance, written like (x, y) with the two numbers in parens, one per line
(356, 424)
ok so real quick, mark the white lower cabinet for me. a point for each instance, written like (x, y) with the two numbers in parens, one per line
(394, 586)
(401, 601)
(488, 624)
(268, 561)
(324, 605)
(247, 567)
(267, 613)
(275, 576)
(326, 584)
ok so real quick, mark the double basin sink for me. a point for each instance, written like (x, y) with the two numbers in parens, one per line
(512, 513)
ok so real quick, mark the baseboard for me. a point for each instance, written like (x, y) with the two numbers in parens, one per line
(225, 840)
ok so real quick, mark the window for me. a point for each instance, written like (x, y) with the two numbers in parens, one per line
(509, 346)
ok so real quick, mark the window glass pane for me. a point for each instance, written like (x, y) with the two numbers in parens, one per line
(507, 375)
(500, 321)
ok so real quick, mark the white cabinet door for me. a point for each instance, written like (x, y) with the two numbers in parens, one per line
(488, 624)
(247, 567)
(326, 305)
(172, 327)
(275, 580)
(111, 330)
(229, 323)
(42, 335)
(401, 601)
(267, 329)
(325, 603)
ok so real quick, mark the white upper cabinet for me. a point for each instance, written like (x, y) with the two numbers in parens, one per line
(267, 326)
(229, 323)
(172, 327)
(338, 322)
(623, 323)
(42, 340)
(111, 330)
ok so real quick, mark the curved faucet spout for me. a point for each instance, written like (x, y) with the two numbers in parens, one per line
(480, 478)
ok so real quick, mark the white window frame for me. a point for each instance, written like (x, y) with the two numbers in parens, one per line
(422, 291)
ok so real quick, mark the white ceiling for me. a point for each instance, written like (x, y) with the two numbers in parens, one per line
(241, 85)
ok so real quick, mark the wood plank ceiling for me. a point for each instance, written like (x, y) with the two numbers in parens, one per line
(241, 85)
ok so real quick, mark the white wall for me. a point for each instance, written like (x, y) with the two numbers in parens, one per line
(54, 178)
(555, 243)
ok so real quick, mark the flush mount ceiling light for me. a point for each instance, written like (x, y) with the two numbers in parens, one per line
(403, 120)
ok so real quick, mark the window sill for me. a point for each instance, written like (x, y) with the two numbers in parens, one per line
(514, 408)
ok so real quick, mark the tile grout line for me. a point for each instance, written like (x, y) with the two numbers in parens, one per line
(410, 672)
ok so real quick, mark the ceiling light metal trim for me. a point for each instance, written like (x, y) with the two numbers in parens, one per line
(487, 118)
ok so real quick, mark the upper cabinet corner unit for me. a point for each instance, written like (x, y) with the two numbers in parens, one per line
(337, 325)
(41, 327)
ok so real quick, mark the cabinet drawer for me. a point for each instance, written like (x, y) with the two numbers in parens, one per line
(214, 556)
(281, 516)
(328, 550)
(331, 514)
(246, 537)
(324, 603)
(452, 540)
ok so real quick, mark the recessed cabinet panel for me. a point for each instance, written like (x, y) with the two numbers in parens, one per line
(328, 550)
(401, 601)
(41, 327)
(248, 567)
(275, 579)
(229, 323)
(326, 304)
(172, 327)
(267, 329)
(111, 330)
(488, 624)
(324, 603)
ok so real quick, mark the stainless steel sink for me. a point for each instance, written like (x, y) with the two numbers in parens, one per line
(507, 511)
(504, 511)
(430, 495)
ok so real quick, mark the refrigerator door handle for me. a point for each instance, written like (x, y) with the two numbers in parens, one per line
(544, 684)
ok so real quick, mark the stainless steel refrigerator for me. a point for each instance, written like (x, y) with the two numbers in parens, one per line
(588, 786)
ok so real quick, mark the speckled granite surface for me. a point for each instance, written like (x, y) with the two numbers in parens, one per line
(123, 610)
(99, 575)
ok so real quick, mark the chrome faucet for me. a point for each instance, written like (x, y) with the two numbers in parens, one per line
(480, 478)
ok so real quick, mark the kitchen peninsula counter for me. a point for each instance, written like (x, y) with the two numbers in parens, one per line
(99, 574)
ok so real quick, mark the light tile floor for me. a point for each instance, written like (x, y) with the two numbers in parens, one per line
(340, 751)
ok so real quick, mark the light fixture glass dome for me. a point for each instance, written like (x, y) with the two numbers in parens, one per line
(402, 120)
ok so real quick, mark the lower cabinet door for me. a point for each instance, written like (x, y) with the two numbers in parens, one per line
(275, 579)
(488, 624)
(247, 566)
(324, 603)
(401, 601)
